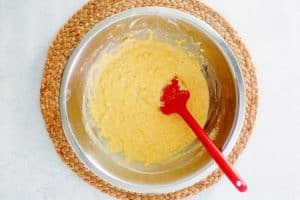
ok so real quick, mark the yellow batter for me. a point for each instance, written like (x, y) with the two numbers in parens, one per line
(126, 98)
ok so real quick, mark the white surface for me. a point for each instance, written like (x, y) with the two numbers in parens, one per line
(29, 166)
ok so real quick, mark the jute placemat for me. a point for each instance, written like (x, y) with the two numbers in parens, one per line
(67, 39)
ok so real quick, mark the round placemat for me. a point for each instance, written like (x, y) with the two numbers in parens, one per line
(67, 39)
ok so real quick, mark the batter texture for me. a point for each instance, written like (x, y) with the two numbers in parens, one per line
(125, 99)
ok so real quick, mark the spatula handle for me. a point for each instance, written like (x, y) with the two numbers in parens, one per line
(226, 167)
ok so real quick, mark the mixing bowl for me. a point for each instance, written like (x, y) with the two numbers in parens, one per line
(226, 109)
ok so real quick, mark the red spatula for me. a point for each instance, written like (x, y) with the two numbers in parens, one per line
(174, 100)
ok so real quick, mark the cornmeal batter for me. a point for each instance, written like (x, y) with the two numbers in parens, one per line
(125, 100)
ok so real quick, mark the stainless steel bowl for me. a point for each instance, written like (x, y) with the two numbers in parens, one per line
(226, 91)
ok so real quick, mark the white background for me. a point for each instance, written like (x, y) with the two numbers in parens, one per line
(29, 166)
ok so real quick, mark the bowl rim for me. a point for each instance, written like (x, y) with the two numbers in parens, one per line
(216, 39)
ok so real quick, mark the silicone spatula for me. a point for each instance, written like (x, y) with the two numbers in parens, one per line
(174, 100)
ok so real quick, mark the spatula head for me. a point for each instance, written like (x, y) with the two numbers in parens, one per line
(173, 98)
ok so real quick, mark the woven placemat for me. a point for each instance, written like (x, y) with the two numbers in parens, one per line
(67, 39)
